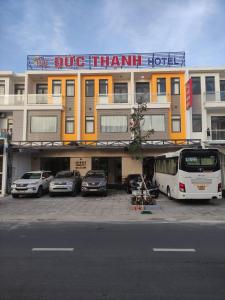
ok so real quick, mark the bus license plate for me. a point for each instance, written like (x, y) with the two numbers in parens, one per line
(201, 187)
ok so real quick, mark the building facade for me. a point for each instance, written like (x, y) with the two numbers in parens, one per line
(80, 118)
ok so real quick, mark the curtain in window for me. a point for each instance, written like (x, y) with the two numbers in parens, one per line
(155, 122)
(43, 124)
(113, 123)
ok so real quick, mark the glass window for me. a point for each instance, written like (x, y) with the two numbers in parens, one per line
(114, 124)
(222, 90)
(156, 122)
(89, 126)
(89, 88)
(70, 88)
(196, 123)
(210, 84)
(42, 88)
(103, 87)
(56, 87)
(175, 86)
(120, 92)
(196, 85)
(43, 124)
(19, 89)
(142, 92)
(161, 86)
(2, 87)
(69, 125)
(176, 126)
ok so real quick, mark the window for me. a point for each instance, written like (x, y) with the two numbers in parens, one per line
(197, 123)
(175, 86)
(19, 89)
(43, 124)
(142, 92)
(222, 90)
(196, 85)
(114, 124)
(70, 88)
(89, 88)
(89, 126)
(69, 125)
(156, 122)
(210, 84)
(41, 88)
(167, 165)
(176, 126)
(56, 87)
(103, 87)
(2, 87)
(161, 86)
(120, 92)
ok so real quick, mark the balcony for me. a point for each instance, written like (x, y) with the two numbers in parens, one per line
(12, 100)
(44, 99)
(217, 135)
(214, 100)
(125, 100)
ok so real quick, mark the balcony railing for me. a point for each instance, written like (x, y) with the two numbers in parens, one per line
(138, 98)
(217, 135)
(12, 100)
(35, 99)
(215, 97)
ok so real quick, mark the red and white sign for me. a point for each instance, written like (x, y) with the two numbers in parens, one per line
(189, 94)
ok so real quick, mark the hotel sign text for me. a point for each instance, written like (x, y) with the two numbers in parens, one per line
(106, 61)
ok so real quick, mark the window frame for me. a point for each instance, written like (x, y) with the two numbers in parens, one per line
(69, 121)
(91, 121)
(41, 116)
(106, 87)
(175, 118)
(174, 81)
(155, 115)
(159, 84)
(113, 116)
(194, 116)
(213, 84)
(53, 86)
(197, 90)
(86, 87)
(73, 84)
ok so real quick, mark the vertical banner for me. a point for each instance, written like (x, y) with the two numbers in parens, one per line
(189, 94)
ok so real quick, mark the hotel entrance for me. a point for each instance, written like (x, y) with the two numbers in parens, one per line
(112, 168)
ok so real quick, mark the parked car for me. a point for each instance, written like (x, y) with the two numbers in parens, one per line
(95, 181)
(32, 183)
(66, 182)
(130, 179)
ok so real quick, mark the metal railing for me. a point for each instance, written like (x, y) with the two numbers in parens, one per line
(12, 100)
(49, 99)
(216, 134)
(215, 96)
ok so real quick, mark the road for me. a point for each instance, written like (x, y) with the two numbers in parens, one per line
(112, 261)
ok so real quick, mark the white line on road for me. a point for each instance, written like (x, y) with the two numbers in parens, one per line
(52, 249)
(173, 250)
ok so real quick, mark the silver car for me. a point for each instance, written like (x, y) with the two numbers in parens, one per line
(94, 181)
(65, 182)
(31, 183)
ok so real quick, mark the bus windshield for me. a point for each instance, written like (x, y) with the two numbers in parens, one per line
(203, 160)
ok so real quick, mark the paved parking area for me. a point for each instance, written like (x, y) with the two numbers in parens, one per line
(115, 207)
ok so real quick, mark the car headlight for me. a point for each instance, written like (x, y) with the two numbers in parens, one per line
(84, 183)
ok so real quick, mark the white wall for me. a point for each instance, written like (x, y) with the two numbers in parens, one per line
(21, 164)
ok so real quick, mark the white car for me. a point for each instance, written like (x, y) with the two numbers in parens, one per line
(32, 183)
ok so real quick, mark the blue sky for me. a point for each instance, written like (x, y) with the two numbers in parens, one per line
(111, 26)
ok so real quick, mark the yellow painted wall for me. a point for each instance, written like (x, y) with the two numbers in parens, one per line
(63, 78)
(96, 78)
(168, 76)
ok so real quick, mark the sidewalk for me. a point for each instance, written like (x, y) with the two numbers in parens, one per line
(114, 208)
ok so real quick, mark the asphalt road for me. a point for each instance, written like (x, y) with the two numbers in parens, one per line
(112, 261)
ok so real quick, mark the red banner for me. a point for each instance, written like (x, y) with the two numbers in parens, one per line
(189, 94)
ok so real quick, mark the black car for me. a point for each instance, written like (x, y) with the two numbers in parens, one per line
(95, 181)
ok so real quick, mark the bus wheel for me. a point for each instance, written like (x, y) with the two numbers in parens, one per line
(169, 193)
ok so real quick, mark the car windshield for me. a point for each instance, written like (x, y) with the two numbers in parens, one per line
(64, 175)
(95, 175)
(31, 176)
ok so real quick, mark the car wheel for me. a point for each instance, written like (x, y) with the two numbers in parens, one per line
(169, 193)
(15, 196)
(51, 194)
(39, 192)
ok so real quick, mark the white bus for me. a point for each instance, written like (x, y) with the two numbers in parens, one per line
(189, 174)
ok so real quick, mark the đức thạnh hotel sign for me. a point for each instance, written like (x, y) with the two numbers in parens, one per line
(106, 61)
